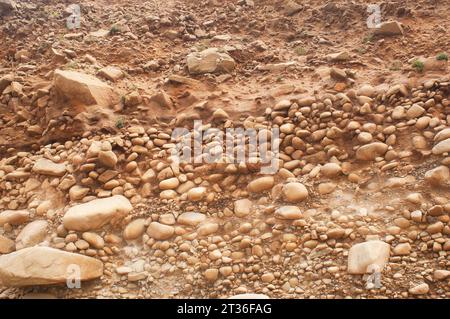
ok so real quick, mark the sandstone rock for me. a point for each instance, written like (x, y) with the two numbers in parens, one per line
(420, 289)
(135, 229)
(389, 28)
(402, 249)
(295, 192)
(441, 274)
(207, 229)
(97, 213)
(94, 240)
(196, 193)
(243, 207)
(6, 245)
(170, 183)
(162, 99)
(111, 73)
(160, 231)
(331, 170)
(326, 188)
(45, 266)
(288, 212)
(261, 184)
(442, 135)
(32, 234)
(415, 111)
(94, 149)
(363, 255)
(107, 159)
(339, 56)
(366, 90)
(211, 274)
(14, 217)
(442, 147)
(438, 176)
(191, 219)
(77, 192)
(371, 151)
(220, 114)
(46, 167)
(83, 88)
(209, 61)
(338, 74)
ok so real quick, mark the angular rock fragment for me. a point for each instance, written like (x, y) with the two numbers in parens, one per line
(209, 61)
(84, 89)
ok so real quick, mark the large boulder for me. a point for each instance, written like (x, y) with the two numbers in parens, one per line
(209, 61)
(97, 213)
(363, 255)
(83, 88)
(45, 266)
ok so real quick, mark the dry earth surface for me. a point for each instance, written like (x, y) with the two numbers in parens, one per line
(89, 177)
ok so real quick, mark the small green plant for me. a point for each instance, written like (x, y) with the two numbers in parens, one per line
(120, 123)
(203, 45)
(442, 56)
(418, 65)
(300, 50)
(361, 50)
(72, 65)
(114, 30)
(368, 38)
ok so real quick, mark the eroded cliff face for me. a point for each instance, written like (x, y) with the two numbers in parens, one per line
(217, 148)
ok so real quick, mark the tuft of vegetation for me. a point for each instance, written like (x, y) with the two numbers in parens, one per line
(114, 30)
(299, 50)
(361, 50)
(72, 65)
(368, 38)
(442, 56)
(418, 65)
(120, 123)
(203, 45)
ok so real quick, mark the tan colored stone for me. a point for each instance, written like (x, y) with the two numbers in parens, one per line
(46, 266)
(84, 89)
(97, 213)
(32, 234)
(362, 255)
(160, 231)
